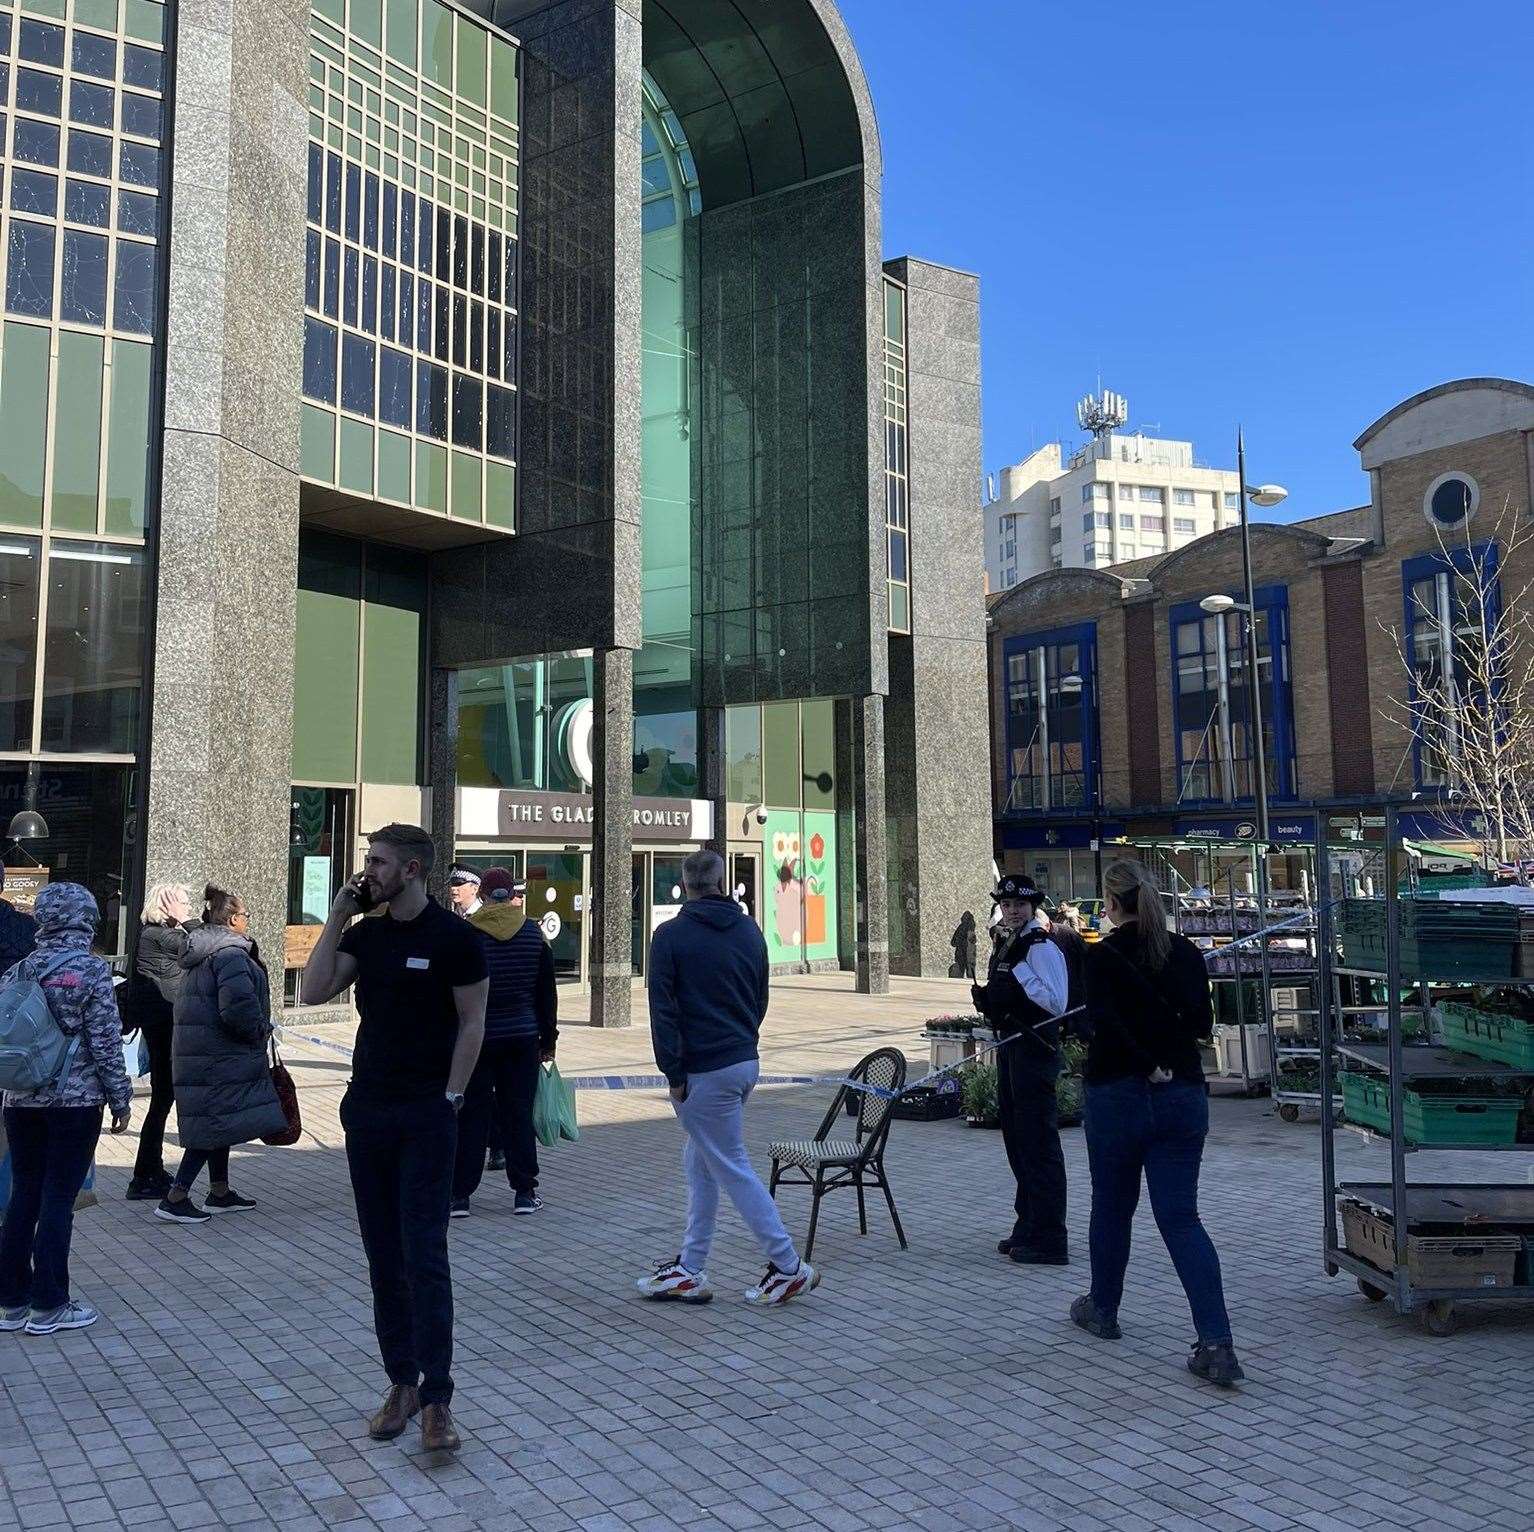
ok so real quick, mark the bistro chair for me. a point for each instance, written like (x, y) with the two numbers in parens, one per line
(825, 1164)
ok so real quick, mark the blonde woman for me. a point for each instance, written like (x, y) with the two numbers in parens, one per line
(150, 999)
(1147, 1113)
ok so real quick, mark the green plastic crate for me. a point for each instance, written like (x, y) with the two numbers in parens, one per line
(1487, 1034)
(1431, 1120)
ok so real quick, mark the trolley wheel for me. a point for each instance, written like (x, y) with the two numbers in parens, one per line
(1371, 1292)
(1439, 1318)
(1289, 1111)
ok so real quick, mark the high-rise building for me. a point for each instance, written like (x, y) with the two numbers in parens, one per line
(495, 415)
(1118, 497)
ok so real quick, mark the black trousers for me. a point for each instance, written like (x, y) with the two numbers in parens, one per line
(1030, 1128)
(150, 1164)
(51, 1150)
(500, 1092)
(400, 1154)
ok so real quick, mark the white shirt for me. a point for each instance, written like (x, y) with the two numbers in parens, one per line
(1042, 973)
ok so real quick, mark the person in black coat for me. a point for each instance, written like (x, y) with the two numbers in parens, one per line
(224, 1090)
(18, 931)
(1147, 1112)
(148, 999)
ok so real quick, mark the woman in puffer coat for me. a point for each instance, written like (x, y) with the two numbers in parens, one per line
(53, 1132)
(224, 1091)
(148, 999)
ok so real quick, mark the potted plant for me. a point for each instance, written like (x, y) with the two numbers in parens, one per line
(1070, 1093)
(977, 1089)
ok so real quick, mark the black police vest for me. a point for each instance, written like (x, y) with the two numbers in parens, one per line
(1018, 1011)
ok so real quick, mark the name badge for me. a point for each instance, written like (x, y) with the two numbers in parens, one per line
(421, 963)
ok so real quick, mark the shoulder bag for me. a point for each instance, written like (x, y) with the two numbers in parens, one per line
(287, 1098)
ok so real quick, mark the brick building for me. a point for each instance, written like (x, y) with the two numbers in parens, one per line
(1119, 708)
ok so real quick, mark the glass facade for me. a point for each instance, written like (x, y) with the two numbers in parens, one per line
(1052, 720)
(83, 139)
(897, 483)
(1211, 706)
(411, 259)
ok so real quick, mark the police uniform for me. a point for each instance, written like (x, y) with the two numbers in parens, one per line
(1027, 982)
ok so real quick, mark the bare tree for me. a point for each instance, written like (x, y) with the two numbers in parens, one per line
(1468, 694)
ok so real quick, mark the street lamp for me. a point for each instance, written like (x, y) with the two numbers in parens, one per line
(1267, 496)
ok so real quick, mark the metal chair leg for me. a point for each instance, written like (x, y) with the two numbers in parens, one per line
(862, 1209)
(815, 1195)
(894, 1216)
(772, 1184)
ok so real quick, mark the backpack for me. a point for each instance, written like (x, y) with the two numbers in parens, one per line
(35, 1051)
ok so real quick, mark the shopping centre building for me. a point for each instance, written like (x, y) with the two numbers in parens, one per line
(1121, 706)
(495, 415)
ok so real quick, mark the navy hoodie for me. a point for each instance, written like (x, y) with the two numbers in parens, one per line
(708, 988)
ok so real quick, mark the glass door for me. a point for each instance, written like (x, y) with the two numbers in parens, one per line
(319, 838)
(743, 889)
(556, 899)
(666, 895)
(636, 915)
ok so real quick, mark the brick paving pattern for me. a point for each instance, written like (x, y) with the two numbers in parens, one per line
(228, 1380)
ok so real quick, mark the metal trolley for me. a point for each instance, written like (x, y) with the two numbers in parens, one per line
(1467, 1208)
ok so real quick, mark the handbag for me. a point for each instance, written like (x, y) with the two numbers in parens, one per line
(287, 1099)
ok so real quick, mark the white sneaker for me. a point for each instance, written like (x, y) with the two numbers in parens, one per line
(671, 1282)
(779, 1286)
(14, 1319)
(73, 1316)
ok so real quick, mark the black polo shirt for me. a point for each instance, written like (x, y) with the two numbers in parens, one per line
(407, 971)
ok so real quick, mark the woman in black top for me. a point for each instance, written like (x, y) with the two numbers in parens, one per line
(1147, 1112)
(151, 992)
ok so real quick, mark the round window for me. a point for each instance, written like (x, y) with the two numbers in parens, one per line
(1451, 500)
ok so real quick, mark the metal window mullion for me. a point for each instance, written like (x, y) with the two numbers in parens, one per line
(1227, 734)
(1444, 603)
(1041, 680)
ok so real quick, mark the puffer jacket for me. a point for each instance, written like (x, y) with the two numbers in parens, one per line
(157, 974)
(224, 1091)
(79, 992)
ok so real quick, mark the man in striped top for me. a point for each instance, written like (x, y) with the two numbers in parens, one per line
(521, 1029)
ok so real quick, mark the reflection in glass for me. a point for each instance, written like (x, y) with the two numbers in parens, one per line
(93, 648)
(37, 143)
(39, 92)
(29, 270)
(33, 191)
(319, 361)
(19, 559)
(83, 289)
(133, 304)
(138, 214)
(90, 154)
(85, 202)
(141, 115)
(91, 104)
(92, 55)
(43, 44)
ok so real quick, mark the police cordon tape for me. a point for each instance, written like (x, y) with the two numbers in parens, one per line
(883, 1093)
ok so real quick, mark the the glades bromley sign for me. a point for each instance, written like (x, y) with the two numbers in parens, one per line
(514, 814)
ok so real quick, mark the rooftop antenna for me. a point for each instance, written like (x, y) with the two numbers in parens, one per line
(1102, 412)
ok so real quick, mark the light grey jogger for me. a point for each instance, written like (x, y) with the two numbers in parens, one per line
(713, 1116)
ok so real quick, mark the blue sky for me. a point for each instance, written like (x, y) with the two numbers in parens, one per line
(1285, 212)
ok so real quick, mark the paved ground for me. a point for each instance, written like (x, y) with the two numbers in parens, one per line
(936, 1388)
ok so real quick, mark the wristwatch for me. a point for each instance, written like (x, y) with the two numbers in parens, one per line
(455, 1100)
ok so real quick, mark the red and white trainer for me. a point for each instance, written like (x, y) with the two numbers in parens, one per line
(779, 1286)
(671, 1282)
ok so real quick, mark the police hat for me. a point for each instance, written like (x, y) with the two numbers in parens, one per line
(1017, 885)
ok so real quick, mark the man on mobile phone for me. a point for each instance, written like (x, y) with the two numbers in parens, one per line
(421, 989)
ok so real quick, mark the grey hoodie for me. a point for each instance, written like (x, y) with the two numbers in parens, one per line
(79, 992)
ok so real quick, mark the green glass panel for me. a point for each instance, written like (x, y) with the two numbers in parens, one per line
(97, 13)
(503, 79)
(44, 7)
(403, 24)
(818, 732)
(145, 20)
(394, 467)
(894, 312)
(394, 603)
(128, 438)
(781, 781)
(23, 424)
(77, 431)
(326, 657)
(430, 477)
(317, 445)
(334, 9)
(900, 608)
(437, 43)
(501, 495)
(472, 61)
(743, 755)
(467, 502)
(356, 456)
(366, 22)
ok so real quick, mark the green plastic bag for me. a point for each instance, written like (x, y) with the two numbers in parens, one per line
(554, 1108)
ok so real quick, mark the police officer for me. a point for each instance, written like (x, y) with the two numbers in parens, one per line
(1026, 983)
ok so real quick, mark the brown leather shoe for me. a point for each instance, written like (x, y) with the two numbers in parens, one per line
(437, 1432)
(401, 1403)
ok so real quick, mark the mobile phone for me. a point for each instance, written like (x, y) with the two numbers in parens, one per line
(361, 892)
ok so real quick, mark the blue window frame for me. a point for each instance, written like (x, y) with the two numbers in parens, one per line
(1452, 606)
(1211, 711)
(1052, 746)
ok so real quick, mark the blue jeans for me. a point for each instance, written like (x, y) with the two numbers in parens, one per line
(714, 1119)
(51, 1152)
(1132, 1127)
